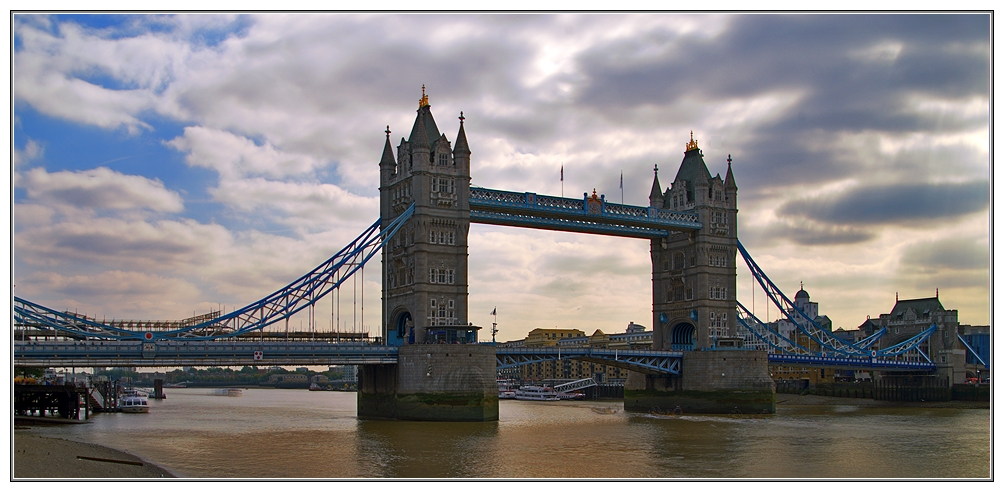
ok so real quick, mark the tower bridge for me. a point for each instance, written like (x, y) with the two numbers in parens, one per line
(429, 366)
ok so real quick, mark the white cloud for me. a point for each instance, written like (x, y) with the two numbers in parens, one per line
(99, 189)
(234, 156)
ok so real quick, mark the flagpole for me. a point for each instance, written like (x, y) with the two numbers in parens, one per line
(622, 187)
(562, 180)
(494, 323)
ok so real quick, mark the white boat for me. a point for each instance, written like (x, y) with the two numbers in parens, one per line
(133, 404)
(537, 393)
(506, 390)
(227, 392)
(571, 395)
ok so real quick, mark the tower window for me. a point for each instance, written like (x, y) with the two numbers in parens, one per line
(442, 159)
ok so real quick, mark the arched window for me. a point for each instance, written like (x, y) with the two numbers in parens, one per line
(678, 261)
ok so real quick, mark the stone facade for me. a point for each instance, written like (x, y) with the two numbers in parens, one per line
(694, 273)
(452, 383)
(425, 264)
(712, 381)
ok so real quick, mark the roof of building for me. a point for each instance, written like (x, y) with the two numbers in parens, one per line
(426, 125)
(919, 306)
(691, 170)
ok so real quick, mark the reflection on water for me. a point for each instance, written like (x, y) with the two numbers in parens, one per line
(296, 433)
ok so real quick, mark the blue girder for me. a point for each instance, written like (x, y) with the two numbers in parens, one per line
(280, 305)
(818, 334)
(871, 339)
(849, 362)
(973, 351)
(766, 334)
(567, 214)
(644, 361)
(188, 352)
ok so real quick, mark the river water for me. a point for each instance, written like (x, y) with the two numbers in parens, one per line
(278, 433)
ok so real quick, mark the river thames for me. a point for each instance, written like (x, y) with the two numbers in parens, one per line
(273, 433)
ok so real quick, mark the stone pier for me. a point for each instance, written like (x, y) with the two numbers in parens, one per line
(712, 381)
(454, 383)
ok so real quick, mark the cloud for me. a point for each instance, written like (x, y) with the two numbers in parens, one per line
(915, 204)
(32, 150)
(954, 254)
(100, 189)
(235, 156)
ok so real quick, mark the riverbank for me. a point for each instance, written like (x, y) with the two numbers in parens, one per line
(784, 399)
(44, 457)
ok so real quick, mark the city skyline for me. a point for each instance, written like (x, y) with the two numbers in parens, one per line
(168, 165)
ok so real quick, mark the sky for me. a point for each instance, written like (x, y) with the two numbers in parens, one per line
(168, 165)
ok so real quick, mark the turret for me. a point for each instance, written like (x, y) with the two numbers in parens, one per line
(461, 152)
(655, 196)
(388, 166)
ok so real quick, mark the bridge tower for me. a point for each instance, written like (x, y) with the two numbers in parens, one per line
(694, 273)
(425, 265)
(442, 373)
(694, 303)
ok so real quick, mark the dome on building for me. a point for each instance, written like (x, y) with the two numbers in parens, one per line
(801, 294)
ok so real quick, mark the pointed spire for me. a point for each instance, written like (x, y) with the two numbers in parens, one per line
(388, 152)
(419, 139)
(655, 197)
(461, 145)
(730, 180)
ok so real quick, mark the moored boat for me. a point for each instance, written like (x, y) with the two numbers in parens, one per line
(537, 393)
(133, 404)
(227, 392)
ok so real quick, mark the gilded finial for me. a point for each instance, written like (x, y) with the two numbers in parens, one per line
(594, 193)
(461, 117)
(730, 160)
(388, 131)
(693, 143)
(425, 99)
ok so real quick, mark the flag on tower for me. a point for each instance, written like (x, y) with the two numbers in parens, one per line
(562, 172)
(493, 311)
(622, 180)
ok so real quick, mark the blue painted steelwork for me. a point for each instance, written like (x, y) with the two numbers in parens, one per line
(818, 334)
(871, 339)
(974, 353)
(173, 353)
(849, 362)
(644, 361)
(280, 305)
(566, 214)
(766, 334)
(829, 345)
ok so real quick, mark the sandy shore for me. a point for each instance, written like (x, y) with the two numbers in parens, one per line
(44, 457)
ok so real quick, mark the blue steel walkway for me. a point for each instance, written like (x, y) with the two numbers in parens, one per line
(589, 215)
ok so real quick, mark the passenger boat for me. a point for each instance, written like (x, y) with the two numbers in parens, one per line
(133, 404)
(571, 395)
(227, 392)
(506, 391)
(537, 393)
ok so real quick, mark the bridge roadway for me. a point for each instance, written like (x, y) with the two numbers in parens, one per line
(169, 353)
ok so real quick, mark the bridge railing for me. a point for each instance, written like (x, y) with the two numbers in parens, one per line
(525, 206)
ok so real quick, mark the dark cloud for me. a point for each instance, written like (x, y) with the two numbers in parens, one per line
(887, 204)
(952, 254)
(806, 234)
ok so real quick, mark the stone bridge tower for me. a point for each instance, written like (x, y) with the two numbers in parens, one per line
(425, 264)
(442, 373)
(694, 273)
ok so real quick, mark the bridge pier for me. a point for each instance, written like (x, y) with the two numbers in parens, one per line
(452, 383)
(711, 381)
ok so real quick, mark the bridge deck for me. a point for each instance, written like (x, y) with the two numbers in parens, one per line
(574, 215)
